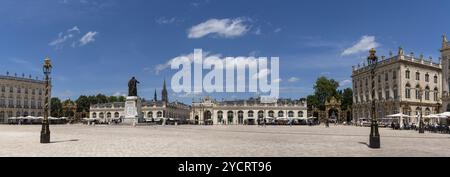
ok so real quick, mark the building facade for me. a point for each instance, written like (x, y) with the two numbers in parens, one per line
(21, 97)
(154, 110)
(445, 55)
(403, 84)
(246, 112)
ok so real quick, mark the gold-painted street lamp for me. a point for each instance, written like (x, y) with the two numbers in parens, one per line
(45, 132)
(374, 140)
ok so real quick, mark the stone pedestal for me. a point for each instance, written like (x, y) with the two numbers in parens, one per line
(133, 111)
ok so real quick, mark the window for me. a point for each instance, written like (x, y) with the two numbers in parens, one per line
(395, 93)
(108, 115)
(418, 92)
(291, 113)
(435, 94)
(250, 114)
(435, 79)
(94, 115)
(394, 75)
(271, 114)
(11, 89)
(159, 114)
(407, 74)
(379, 78)
(280, 114)
(408, 91)
(300, 114)
(427, 93)
(3, 89)
(387, 94)
(117, 115)
(380, 95)
(418, 76)
(386, 77)
(19, 90)
(427, 77)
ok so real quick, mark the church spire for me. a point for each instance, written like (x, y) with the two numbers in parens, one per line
(165, 98)
(155, 97)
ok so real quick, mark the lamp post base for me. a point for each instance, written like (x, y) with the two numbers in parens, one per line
(374, 141)
(45, 134)
(421, 129)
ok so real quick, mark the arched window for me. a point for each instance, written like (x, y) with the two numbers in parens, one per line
(241, 117)
(250, 113)
(32, 114)
(260, 114)
(408, 91)
(427, 77)
(427, 93)
(418, 75)
(408, 74)
(435, 79)
(94, 115)
(230, 117)
(108, 115)
(291, 114)
(280, 114)
(418, 92)
(102, 115)
(159, 114)
(427, 112)
(271, 114)
(417, 110)
(150, 114)
(300, 114)
(17, 114)
(436, 94)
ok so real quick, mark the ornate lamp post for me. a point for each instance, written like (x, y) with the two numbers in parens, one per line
(45, 132)
(372, 61)
(421, 124)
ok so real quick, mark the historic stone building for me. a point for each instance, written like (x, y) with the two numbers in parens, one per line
(154, 110)
(21, 97)
(445, 54)
(248, 112)
(404, 83)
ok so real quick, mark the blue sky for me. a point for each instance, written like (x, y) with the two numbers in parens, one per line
(97, 45)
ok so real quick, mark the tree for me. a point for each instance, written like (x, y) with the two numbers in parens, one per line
(313, 101)
(347, 98)
(101, 99)
(55, 107)
(324, 89)
(121, 99)
(83, 104)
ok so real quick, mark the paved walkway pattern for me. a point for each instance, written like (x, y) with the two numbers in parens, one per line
(207, 141)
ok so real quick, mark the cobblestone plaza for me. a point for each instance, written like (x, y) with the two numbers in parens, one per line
(207, 141)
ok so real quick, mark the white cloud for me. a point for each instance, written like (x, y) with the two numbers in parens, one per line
(293, 79)
(226, 28)
(241, 61)
(88, 38)
(165, 21)
(75, 28)
(59, 42)
(345, 82)
(262, 74)
(277, 30)
(365, 44)
(117, 94)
